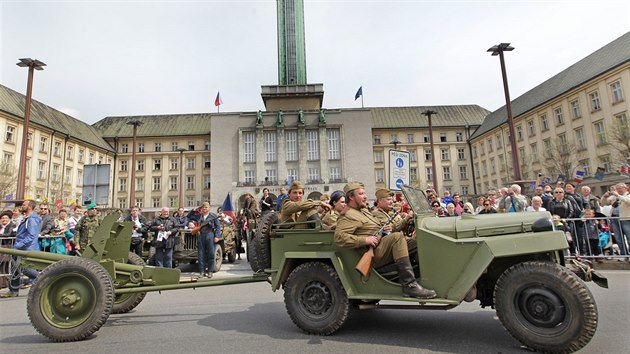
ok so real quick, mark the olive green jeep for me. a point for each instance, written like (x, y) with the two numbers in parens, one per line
(513, 263)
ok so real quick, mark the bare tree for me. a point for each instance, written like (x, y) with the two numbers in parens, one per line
(562, 158)
(8, 177)
(619, 139)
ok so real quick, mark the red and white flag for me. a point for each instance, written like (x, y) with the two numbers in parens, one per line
(218, 101)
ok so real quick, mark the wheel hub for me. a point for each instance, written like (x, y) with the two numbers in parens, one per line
(316, 298)
(542, 307)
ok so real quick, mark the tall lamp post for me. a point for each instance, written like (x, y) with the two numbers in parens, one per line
(181, 176)
(32, 64)
(498, 50)
(132, 187)
(429, 113)
(395, 142)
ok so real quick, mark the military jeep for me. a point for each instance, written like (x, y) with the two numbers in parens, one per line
(512, 263)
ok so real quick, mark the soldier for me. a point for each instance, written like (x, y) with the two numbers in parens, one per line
(357, 229)
(86, 227)
(294, 209)
(384, 209)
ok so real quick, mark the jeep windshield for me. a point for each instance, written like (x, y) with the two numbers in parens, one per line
(416, 199)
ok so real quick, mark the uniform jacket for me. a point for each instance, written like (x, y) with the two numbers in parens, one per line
(291, 211)
(330, 218)
(383, 216)
(85, 229)
(354, 227)
(213, 229)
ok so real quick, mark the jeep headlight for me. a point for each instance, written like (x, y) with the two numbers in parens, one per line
(542, 224)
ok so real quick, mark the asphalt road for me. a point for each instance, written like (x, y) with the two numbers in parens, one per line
(250, 318)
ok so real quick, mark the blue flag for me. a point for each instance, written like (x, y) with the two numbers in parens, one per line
(359, 93)
(599, 174)
(227, 207)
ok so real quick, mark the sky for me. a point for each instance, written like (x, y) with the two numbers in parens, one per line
(122, 58)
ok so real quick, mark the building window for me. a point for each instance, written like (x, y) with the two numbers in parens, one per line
(140, 147)
(519, 132)
(446, 173)
(81, 155)
(79, 177)
(207, 180)
(271, 175)
(493, 166)
(190, 163)
(413, 174)
(155, 202)
(206, 162)
(250, 176)
(393, 137)
(605, 162)
(425, 138)
(122, 203)
(9, 136)
(410, 139)
(544, 122)
(313, 174)
(122, 184)
(291, 141)
(531, 128)
(484, 168)
(461, 154)
(490, 148)
(600, 133)
(557, 112)
(474, 149)
(67, 177)
(379, 175)
(378, 156)
(547, 144)
(334, 148)
(579, 138)
(617, 93)
(157, 164)
(55, 173)
(586, 167)
(174, 146)
(459, 136)
(139, 183)
(413, 156)
(43, 142)
(206, 145)
(174, 164)
(576, 112)
(91, 158)
(463, 172)
(29, 140)
(499, 142)
(190, 182)
(41, 169)
(534, 149)
(292, 175)
(191, 146)
(140, 165)
(464, 190)
(482, 148)
(312, 145)
(444, 154)
(442, 137)
(124, 148)
(594, 98)
(190, 201)
(172, 183)
(335, 174)
(70, 153)
(157, 183)
(57, 148)
(158, 147)
(270, 146)
(428, 155)
(377, 139)
(249, 146)
(123, 165)
(429, 173)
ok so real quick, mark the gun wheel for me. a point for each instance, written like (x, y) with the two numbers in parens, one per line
(71, 299)
(315, 298)
(124, 303)
(546, 307)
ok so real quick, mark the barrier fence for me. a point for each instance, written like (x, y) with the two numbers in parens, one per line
(597, 238)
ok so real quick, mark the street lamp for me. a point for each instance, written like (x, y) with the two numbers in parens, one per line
(498, 50)
(132, 189)
(181, 176)
(429, 113)
(395, 142)
(32, 64)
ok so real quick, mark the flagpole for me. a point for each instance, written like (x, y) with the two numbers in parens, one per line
(361, 97)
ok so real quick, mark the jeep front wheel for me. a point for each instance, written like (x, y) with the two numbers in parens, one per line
(315, 298)
(546, 307)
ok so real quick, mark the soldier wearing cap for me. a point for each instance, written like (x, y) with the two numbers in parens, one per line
(295, 209)
(358, 228)
(385, 209)
(86, 227)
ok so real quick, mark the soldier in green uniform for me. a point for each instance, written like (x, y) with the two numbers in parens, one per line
(385, 208)
(86, 227)
(295, 209)
(358, 228)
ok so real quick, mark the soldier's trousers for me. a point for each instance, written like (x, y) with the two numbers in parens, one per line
(392, 248)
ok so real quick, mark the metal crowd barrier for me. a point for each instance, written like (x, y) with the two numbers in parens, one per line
(584, 239)
(7, 263)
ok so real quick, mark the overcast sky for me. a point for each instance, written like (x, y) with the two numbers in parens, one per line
(117, 58)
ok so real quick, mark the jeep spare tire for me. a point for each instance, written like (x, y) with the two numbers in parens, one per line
(260, 248)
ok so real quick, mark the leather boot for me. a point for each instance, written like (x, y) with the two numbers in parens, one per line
(410, 286)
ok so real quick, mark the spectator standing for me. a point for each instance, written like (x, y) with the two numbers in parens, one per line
(266, 202)
(500, 205)
(7, 229)
(591, 200)
(621, 209)
(459, 204)
(48, 221)
(25, 240)
(87, 226)
(450, 210)
(537, 203)
(61, 222)
(480, 202)
(209, 235)
(547, 196)
(139, 231)
(468, 208)
(281, 197)
(447, 198)
(515, 201)
(488, 208)
(165, 231)
(437, 208)
(73, 220)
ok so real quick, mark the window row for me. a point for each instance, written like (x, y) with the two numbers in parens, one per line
(157, 147)
(291, 148)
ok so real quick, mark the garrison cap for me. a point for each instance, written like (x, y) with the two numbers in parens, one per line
(383, 193)
(296, 185)
(352, 186)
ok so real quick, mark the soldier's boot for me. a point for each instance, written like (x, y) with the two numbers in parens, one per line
(410, 286)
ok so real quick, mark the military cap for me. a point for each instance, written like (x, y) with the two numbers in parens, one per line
(383, 193)
(295, 185)
(352, 186)
(91, 206)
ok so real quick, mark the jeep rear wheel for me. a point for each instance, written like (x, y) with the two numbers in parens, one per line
(260, 257)
(315, 298)
(124, 303)
(546, 307)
